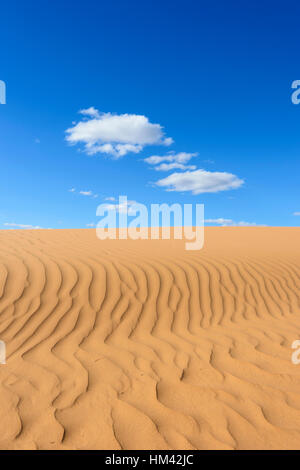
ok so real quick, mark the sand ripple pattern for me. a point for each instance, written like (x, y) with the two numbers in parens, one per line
(143, 345)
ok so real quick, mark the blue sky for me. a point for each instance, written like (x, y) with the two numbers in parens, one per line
(215, 77)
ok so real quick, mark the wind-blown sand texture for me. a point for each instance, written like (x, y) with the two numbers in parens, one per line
(143, 345)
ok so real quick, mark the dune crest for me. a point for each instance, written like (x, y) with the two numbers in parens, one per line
(124, 344)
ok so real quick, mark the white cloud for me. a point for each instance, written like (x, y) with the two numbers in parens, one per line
(90, 225)
(111, 198)
(24, 226)
(84, 193)
(114, 134)
(296, 213)
(174, 161)
(173, 166)
(181, 157)
(91, 112)
(200, 181)
(125, 207)
(231, 223)
(219, 221)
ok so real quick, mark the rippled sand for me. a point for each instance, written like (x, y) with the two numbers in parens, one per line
(143, 345)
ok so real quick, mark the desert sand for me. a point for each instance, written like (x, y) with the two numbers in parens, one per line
(124, 344)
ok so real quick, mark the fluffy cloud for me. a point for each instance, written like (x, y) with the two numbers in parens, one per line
(181, 157)
(296, 213)
(91, 112)
(174, 161)
(200, 181)
(174, 166)
(114, 134)
(230, 223)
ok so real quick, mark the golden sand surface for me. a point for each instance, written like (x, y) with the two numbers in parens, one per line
(124, 344)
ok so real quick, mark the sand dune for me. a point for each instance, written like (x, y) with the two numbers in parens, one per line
(143, 345)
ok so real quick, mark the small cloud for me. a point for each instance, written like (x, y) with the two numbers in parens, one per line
(174, 161)
(219, 221)
(22, 226)
(168, 141)
(174, 166)
(37, 141)
(123, 208)
(297, 213)
(111, 198)
(231, 223)
(200, 181)
(114, 134)
(90, 225)
(181, 157)
(84, 193)
(90, 112)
